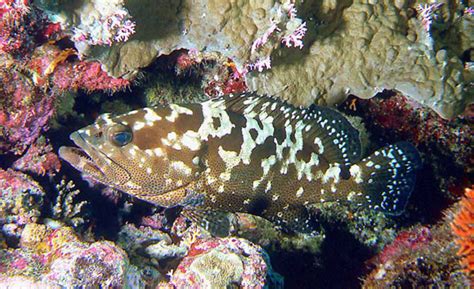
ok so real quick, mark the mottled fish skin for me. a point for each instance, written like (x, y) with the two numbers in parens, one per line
(243, 153)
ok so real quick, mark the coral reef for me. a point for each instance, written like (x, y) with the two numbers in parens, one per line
(400, 115)
(419, 257)
(377, 40)
(39, 159)
(196, 78)
(149, 242)
(363, 48)
(57, 257)
(373, 229)
(191, 257)
(50, 65)
(93, 22)
(33, 72)
(65, 209)
(24, 107)
(167, 26)
(20, 25)
(220, 263)
(21, 200)
(54, 255)
(442, 142)
(63, 63)
(19, 282)
(264, 233)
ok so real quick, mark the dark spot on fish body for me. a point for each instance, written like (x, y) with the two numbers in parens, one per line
(304, 154)
(258, 205)
(180, 123)
(293, 138)
(279, 135)
(216, 122)
(345, 173)
(233, 141)
(191, 122)
(253, 133)
(285, 152)
(259, 123)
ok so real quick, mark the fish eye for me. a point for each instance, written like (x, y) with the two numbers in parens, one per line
(120, 135)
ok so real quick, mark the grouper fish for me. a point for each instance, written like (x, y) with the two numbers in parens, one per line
(243, 153)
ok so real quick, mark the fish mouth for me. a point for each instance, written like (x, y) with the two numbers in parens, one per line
(84, 158)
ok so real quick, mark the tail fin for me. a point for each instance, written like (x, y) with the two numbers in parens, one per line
(388, 177)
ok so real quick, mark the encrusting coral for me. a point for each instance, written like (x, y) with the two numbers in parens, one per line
(306, 51)
(362, 48)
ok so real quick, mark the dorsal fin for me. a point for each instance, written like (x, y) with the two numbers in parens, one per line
(328, 130)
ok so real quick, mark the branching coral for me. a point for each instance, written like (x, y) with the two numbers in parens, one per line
(65, 209)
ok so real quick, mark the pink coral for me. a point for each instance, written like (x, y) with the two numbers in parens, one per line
(58, 258)
(25, 108)
(113, 25)
(88, 76)
(295, 39)
(286, 28)
(260, 64)
(87, 265)
(427, 14)
(39, 159)
(260, 41)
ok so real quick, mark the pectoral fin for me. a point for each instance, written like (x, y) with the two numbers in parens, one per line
(217, 223)
(185, 195)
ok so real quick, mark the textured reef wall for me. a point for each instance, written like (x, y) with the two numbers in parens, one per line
(401, 70)
(320, 55)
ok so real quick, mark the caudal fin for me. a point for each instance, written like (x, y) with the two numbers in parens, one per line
(388, 177)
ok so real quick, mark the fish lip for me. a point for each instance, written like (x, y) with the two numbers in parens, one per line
(82, 155)
(77, 138)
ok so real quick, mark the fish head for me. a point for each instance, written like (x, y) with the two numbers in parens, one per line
(127, 152)
(103, 152)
